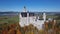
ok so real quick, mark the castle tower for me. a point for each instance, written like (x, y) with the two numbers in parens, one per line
(44, 16)
(24, 17)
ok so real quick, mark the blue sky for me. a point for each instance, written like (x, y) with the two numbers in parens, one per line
(31, 5)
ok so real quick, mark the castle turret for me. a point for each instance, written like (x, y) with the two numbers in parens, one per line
(24, 9)
(44, 16)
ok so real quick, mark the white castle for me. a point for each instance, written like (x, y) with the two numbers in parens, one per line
(27, 18)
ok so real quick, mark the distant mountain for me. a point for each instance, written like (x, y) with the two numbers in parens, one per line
(40, 13)
(8, 13)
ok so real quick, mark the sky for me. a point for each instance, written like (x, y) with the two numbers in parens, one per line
(31, 5)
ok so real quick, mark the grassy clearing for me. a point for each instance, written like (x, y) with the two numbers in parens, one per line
(9, 20)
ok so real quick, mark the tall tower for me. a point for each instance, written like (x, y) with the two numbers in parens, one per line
(44, 16)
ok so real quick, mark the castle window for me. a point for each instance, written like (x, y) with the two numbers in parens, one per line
(31, 14)
(24, 14)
